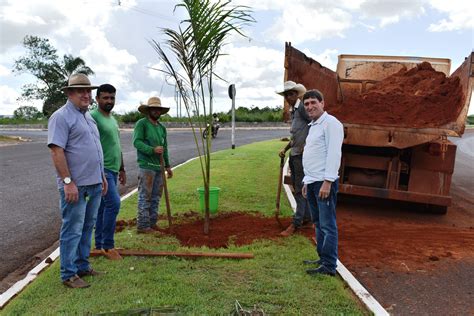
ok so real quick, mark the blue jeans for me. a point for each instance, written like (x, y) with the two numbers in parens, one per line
(150, 185)
(303, 212)
(107, 214)
(78, 221)
(324, 218)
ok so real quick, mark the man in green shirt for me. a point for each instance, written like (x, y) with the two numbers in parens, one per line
(149, 138)
(113, 169)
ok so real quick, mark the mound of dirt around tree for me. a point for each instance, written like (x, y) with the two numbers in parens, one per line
(420, 97)
(394, 244)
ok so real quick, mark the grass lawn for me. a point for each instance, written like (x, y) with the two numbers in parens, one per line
(275, 279)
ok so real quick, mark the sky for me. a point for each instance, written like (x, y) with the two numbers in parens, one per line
(113, 37)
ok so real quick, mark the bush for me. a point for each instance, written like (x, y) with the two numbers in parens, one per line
(242, 114)
(27, 113)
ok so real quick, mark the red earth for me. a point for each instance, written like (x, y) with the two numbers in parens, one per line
(393, 242)
(419, 97)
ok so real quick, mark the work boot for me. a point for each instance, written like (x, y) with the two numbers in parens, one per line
(289, 231)
(90, 272)
(75, 282)
(322, 270)
(111, 254)
(317, 262)
(156, 228)
(145, 230)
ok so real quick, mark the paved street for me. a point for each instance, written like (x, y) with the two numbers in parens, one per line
(29, 209)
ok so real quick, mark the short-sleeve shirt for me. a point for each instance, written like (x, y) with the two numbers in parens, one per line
(109, 139)
(76, 132)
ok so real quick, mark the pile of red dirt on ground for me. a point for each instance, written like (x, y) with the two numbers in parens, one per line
(398, 245)
(419, 97)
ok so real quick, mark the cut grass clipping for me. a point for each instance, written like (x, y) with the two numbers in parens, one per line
(275, 280)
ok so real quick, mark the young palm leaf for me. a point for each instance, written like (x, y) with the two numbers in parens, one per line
(190, 55)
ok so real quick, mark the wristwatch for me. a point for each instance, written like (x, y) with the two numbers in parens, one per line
(67, 180)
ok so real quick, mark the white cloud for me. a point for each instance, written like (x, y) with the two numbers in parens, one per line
(391, 11)
(298, 24)
(254, 70)
(328, 58)
(4, 71)
(10, 101)
(154, 70)
(460, 15)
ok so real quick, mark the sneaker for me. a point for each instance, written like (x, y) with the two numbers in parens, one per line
(75, 282)
(289, 231)
(111, 254)
(322, 270)
(90, 272)
(318, 262)
(147, 230)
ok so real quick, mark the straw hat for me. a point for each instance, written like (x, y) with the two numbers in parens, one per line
(291, 85)
(79, 81)
(153, 102)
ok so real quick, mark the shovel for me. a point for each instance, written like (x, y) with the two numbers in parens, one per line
(165, 189)
(280, 181)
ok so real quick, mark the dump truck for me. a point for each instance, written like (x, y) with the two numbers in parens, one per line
(397, 112)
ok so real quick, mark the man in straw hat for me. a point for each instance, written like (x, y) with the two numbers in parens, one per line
(292, 92)
(149, 138)
(73, 139)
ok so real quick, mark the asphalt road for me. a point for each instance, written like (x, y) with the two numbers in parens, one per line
(30, 218)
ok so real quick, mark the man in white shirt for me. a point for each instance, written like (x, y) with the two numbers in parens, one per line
(321, 161)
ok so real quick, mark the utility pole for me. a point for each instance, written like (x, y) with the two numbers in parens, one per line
(232, 96)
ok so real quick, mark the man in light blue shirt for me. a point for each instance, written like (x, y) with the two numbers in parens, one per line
(321, 161)
(73, 139)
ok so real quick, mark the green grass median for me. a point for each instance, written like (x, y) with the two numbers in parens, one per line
(275, 279)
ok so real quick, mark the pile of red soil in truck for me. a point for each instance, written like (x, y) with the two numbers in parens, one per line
(417, 98)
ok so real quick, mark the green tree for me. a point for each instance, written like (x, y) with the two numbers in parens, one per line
(27, 113)
(43, 62)
(196, 47)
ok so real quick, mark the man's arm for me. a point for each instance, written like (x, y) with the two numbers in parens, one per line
(60, 163)
(139, 140)
(166, 155)
(122, 175)
(334, 138)
(284, 150)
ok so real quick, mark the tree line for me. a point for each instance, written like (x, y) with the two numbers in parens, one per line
(52, 73)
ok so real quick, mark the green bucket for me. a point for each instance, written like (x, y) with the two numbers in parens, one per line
(213, 199)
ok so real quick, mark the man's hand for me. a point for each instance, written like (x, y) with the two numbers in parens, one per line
(105, 186)
(304, 190)
(325, 190)
(282, 153)
(71, 194)
(169, 172)
(122, 177)
(158, 150)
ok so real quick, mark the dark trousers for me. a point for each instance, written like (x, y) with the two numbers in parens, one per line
(303, 212)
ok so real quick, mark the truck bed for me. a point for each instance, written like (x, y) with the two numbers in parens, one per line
(356, 75)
